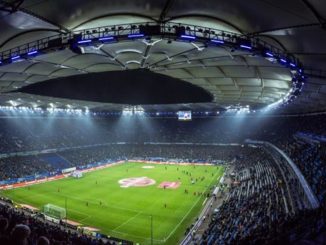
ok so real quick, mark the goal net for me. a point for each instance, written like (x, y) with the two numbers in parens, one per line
(77, 174)
(54, 211)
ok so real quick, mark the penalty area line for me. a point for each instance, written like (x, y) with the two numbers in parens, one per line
(127, 221)
(135, 236)
(87, 216)
(204, 201)
(92, 202)
(185, 216)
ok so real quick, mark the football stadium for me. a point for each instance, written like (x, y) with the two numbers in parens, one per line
(162, 122)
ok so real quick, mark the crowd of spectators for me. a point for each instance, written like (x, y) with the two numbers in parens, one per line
(30, 134)
(310, 157)
(17, 227)
(255, 190)
(259, 201)
(22, 166)
(264, 204)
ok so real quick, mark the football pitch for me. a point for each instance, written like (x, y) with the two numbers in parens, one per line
(131, 200)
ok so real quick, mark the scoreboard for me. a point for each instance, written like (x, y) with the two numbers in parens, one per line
(184, 115)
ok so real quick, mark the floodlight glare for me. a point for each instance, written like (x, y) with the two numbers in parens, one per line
(135, 35)
(269, 54)
(106, 39)
(84, 41)
(217, 41)
(188, 37)
(32, 52)
(245, 46)
(15, 57)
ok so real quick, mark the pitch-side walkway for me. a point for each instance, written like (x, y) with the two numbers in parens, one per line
(195, 234)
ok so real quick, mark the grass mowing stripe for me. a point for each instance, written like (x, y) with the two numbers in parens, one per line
(189, 211)
(185, 216)
(76, 211)
(92, 202)
(127, 221)
(97, 200)
(204, 201)
(141, 237)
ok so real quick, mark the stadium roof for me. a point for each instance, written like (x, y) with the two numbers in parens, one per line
(232, 76)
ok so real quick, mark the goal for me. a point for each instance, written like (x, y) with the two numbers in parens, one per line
(77, 174)
(54, 211)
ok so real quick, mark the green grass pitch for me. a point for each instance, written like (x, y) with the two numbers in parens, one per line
(125, 212)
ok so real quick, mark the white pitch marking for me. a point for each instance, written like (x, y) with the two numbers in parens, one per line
(176, 227)
(127, 221)
(204, 201)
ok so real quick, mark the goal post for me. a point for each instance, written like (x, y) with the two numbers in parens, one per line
(77, 174)
(54, 211)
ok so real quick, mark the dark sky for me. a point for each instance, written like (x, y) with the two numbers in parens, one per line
(126, 87)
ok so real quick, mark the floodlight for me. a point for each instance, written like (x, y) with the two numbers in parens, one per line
(188, 37)
(245, 46)
(217, 41)
(84, 41)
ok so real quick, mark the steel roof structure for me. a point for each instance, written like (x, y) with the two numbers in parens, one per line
(295, 28)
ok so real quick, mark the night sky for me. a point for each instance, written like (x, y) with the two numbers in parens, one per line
(125, 87)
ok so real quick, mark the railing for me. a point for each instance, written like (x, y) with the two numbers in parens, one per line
(167, 30)
(170, 31)
(306, 187)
